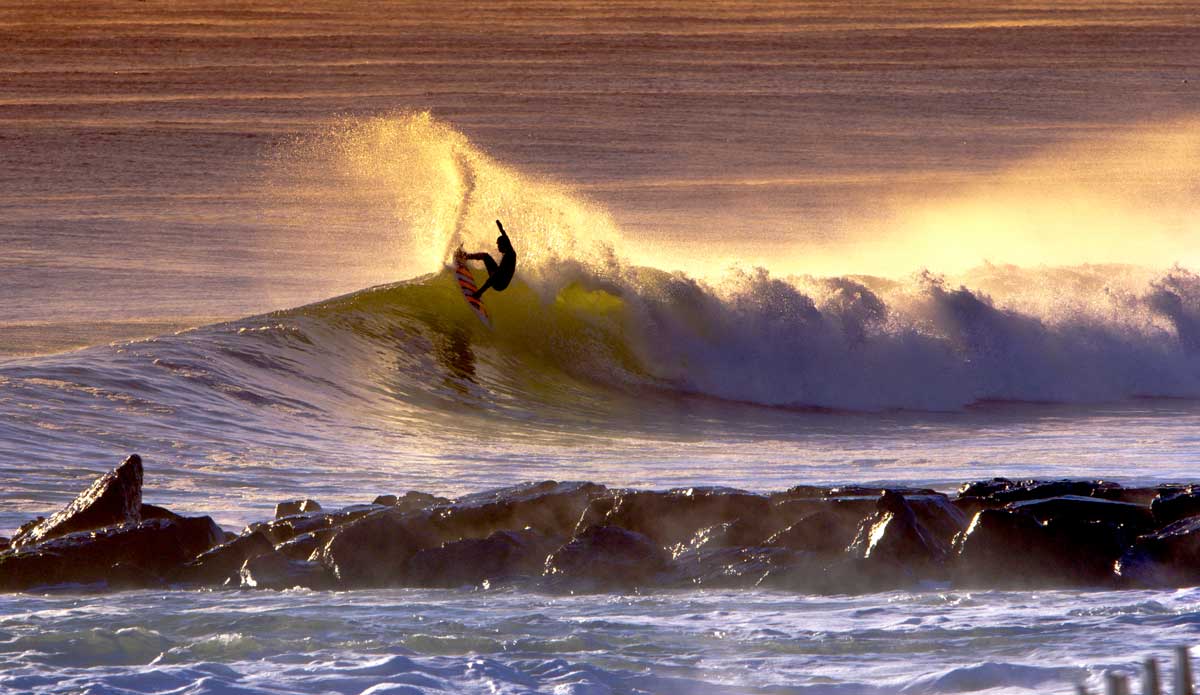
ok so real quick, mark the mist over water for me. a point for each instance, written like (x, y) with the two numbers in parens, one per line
(760, 246)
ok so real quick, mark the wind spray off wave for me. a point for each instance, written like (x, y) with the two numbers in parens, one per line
(592, 309)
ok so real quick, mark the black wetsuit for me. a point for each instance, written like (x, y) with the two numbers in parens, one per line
(499, 274)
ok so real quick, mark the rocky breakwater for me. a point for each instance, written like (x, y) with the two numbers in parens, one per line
(572, 536)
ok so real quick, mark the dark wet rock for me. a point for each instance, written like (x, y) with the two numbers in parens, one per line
(1135, 517)
(1001, 491)
(1085, 552)
(894, 534)
(1143, 496)
(4, 544)
(274, 570)
(1171, 505)
(143, 553)
(284, 529)
(1001, 547)
(293, 507)
(413, 500)
(152, 511)
(728, 567)
(549, 508)
(674, 516)
(799, 492)
(303, 547)
(217, 564)
(374, 550)
(852, 509)
(824, 532)
(386, 500)
(1010, 548)
(607, 557)
(743, 533)
(1168, 557)
(114, 498)
(938, 514)
(502, 556)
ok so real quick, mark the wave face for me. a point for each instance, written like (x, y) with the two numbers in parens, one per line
(591, 305)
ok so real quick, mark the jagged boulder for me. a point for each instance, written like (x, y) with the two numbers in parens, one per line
(1136, 518)
(293, 507)
(1166, 558)
(385, 500)
(894, 535)
(274, 570)
(674, 516)
(141, 554)
(114, 498)
(153, 511)
(218, 564)
(502, 556)
(304, 546)
(1001, 491)
(607, 557)
(1010, 548)
(284, 529)
(827, 531)
(1171, 505)
(549, 508)
(1001, 547)
(743, 533)
(414, 500)
(727, 567)
(374, 550)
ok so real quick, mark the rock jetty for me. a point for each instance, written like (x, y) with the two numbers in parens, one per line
(580, 536)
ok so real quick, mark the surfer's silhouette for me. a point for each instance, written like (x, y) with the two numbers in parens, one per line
(499, 274)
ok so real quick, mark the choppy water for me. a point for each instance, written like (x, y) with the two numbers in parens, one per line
(502, 642)
(172, 172)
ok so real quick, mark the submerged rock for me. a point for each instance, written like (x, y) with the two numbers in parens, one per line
(114, 498)
(140, 554)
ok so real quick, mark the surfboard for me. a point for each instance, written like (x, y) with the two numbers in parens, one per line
(466, 283)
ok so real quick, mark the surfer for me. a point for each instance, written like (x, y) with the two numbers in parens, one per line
(499, 274)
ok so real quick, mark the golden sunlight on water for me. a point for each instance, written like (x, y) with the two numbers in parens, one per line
(1129, 198)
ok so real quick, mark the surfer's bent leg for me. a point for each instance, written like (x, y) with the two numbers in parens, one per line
(488, 261)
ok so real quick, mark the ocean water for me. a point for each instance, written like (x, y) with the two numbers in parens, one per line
(760, 246)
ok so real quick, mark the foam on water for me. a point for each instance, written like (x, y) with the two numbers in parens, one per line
(500, 641)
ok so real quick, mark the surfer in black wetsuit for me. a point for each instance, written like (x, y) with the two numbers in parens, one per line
(499, 274)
